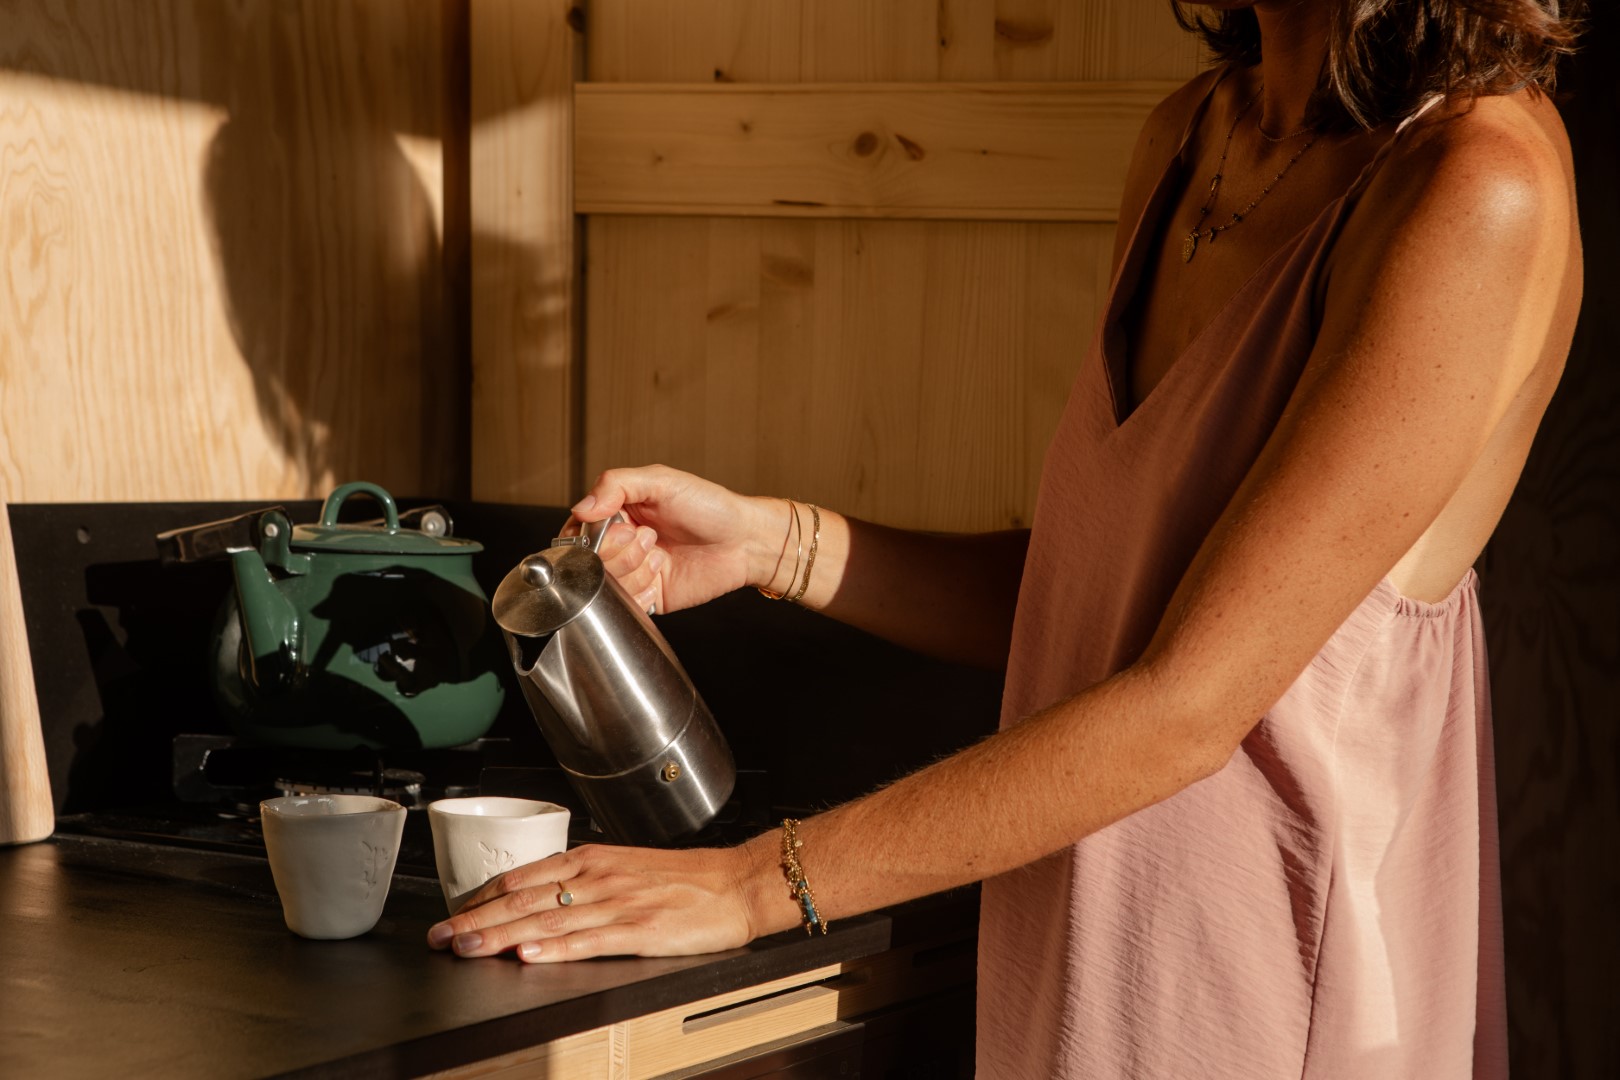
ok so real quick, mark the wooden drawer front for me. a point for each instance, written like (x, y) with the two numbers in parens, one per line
(727, 1025)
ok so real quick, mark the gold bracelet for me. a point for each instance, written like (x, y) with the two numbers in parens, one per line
(798, 884)
(810, 563)
(766, 593)
(798, 556)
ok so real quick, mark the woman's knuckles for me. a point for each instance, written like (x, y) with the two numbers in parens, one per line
(552, 922)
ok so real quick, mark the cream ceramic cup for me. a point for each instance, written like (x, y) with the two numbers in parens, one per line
(475, 839)
(333, 858)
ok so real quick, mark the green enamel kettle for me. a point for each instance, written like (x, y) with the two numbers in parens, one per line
(350, 635)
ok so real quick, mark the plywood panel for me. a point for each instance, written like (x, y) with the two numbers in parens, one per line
(525, 250)
(1012, 151)
(224, 281)
(906, 372)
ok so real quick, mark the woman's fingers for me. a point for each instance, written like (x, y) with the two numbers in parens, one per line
(636, 561)
(619, 901)
(618, 488)
(509, 922)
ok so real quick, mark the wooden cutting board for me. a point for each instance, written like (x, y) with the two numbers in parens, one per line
(26, 810)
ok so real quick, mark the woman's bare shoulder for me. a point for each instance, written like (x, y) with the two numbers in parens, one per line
(1498, 170)
(1481, 188)
(1169, 118)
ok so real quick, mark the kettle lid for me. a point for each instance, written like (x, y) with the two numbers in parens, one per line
(548, 590)
(390, 536)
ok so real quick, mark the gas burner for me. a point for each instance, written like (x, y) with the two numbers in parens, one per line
(221, 771)
(403, 786)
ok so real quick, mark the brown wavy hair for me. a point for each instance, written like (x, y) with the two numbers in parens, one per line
(1385, 57)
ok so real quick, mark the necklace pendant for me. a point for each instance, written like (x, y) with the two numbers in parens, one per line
(1189, 247)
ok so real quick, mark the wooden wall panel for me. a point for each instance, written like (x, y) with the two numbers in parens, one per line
(912, 371)
(980, 151)
(906, 371)
(222, 279)
(223, 274)
(525, 250)
(898, 41)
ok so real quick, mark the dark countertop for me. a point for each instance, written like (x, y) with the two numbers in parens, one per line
(142, 959)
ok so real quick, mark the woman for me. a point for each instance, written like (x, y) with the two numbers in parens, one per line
(1239, 820)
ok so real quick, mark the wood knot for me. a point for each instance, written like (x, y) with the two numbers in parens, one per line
(575, 19)
(865, 144)
(721, 76)
(913, 151)
(1023, 33)
(786, 271)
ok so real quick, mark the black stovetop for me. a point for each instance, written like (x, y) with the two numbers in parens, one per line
(815, 712)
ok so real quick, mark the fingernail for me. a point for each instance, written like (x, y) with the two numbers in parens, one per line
(647, 538)
(656, 561)
(466, 943)
(439, 935)
(584, 504)
(530, 951)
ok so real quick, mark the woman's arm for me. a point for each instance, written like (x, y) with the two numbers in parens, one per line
(1424, 349)
(949, 596)
(946, 595)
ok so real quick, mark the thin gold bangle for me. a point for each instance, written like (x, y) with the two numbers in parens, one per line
(768, 594)
(798, 556)
(810, 563)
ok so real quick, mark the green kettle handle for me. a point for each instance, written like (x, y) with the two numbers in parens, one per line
(334, 501)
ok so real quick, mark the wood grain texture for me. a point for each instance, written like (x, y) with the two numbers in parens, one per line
(983, 151)
(906, 372)
(525, 251)
(225, 283)
(221, 261)
(590, 1055)
(26, 806)
(899, 40)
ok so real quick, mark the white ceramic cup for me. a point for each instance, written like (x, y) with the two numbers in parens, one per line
(475, 839)
(333, 859)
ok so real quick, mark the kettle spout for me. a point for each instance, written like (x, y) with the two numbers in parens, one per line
(270, 625)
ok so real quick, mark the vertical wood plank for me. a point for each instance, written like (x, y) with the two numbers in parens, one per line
(525, 247)
(26, 808)
(909, 372)
(686, 41)
(857, 41)
(738, 400)
(645, 378)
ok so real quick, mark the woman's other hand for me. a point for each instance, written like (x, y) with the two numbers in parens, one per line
(688, 540)
(601, 900)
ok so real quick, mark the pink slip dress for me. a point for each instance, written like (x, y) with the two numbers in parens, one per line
(1328, 904)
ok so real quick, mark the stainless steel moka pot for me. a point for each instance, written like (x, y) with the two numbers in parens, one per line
(616, 707)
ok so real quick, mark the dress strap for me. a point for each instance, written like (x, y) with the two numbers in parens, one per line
(1198, 113)
(1370, 170)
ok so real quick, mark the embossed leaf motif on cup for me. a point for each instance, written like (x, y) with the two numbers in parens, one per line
(496, 861)
(372, 865)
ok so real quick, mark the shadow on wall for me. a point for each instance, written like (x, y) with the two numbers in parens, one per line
(328, 250)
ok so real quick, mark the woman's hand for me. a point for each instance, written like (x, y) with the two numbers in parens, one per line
(691, 540)
(622, 901)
